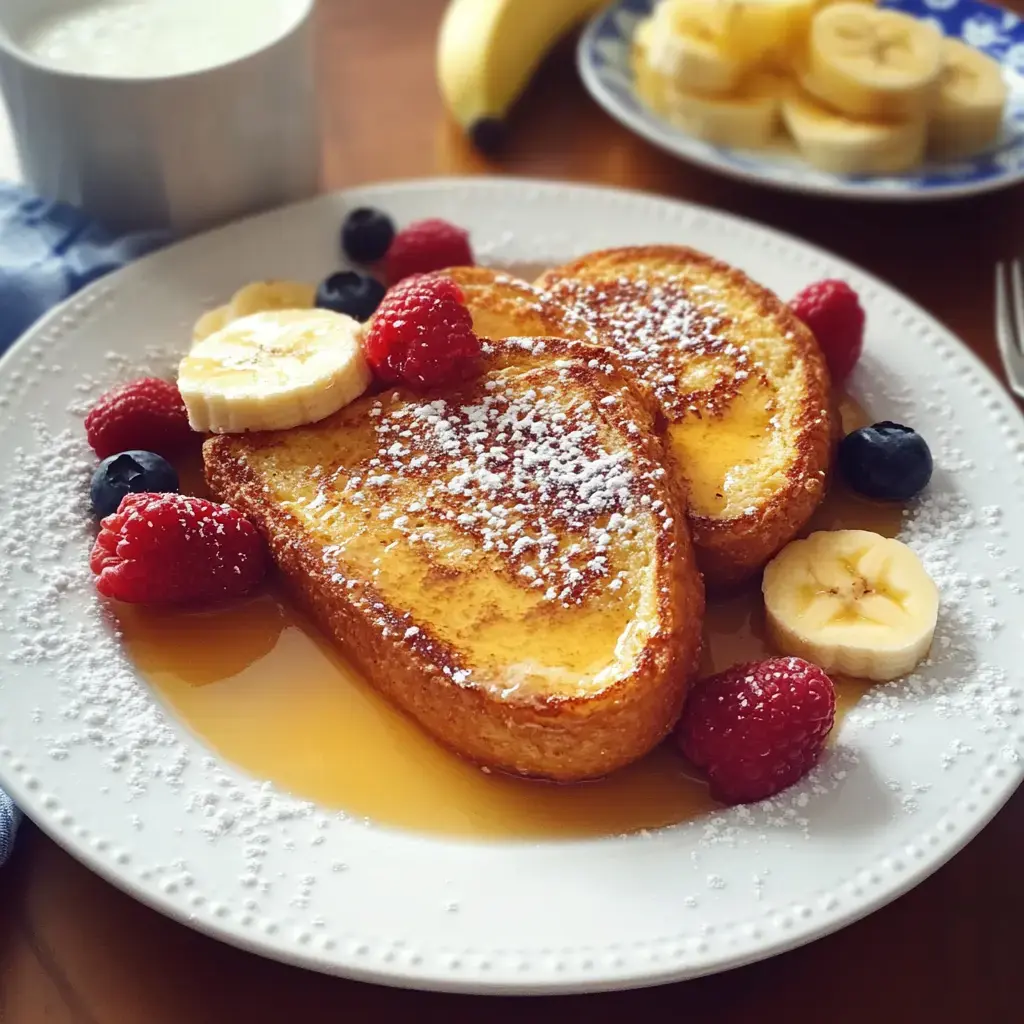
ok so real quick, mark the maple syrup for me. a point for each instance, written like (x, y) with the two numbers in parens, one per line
(718, 449)
(258, 683)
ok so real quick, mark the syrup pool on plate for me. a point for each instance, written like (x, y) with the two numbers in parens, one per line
(260, 685)
(147, 38)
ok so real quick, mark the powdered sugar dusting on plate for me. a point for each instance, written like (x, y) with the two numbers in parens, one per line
(47, 532)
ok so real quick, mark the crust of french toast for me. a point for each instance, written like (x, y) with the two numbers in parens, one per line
(554, 736)
(732, 545)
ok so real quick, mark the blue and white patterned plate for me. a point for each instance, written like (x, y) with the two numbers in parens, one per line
(603, 57)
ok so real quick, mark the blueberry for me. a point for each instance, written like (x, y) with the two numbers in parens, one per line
(349, 292)
(129, 473)
(366, 234)
(886, 461)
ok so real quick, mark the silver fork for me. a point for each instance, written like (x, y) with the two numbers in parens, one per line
(1010, 322)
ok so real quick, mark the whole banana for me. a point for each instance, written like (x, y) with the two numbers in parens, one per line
(488, 50)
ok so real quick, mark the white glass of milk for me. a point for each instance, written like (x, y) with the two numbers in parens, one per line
(178, 114)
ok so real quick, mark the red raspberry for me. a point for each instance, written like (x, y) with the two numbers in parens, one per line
(144, 415)
(834, 314)
(422, 334)
(757, 728)
(427, 245)
(171, 549)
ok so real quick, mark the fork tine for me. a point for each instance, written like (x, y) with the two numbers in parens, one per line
(1010, 325)
(1017, 287)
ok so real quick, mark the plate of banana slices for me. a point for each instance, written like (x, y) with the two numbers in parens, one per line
(899, 100)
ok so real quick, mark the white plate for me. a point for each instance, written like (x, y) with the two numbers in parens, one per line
(918, 769)
(603, 58)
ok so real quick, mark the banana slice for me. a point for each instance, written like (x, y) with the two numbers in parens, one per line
(840, 145)
(968, 113)
(692, 62)
(853, 602)
(820, 5)
(753, 32)
(266, 296)
(879, 65)
(675, 48)
(273, 371)
(772, 30)
(210, 322)
(746, 119)
(708, 18)
(257, 297)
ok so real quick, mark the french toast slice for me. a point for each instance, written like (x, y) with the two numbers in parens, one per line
(509, 562)
(505, 307)
(740, 380)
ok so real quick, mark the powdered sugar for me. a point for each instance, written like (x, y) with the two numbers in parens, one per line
(657, 328)
(519, 468)
(104, 705)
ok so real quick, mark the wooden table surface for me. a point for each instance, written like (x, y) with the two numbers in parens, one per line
(73, 950)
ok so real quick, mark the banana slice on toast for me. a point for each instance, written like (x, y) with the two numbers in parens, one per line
(273, 371)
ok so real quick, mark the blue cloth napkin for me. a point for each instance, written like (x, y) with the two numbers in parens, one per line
(49, 251)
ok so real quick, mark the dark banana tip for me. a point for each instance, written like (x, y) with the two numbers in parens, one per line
(487, 135)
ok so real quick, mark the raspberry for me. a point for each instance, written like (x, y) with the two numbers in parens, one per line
(171, 549)
(422, 334)
(146, 414)
(834, 314)
(757, 728)
(425, 246)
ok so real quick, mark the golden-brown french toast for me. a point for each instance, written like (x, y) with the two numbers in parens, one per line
(503, 306)
(509, 563)
(739, 378)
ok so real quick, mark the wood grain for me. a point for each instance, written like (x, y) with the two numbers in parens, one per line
(74, 950)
